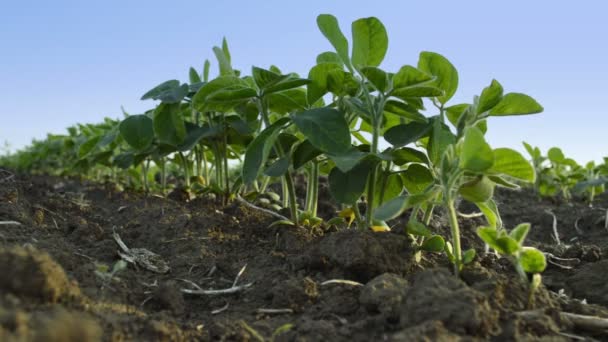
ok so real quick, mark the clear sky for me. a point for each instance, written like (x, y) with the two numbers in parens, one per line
(63, 62)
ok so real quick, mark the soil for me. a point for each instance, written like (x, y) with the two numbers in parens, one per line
(57, 284)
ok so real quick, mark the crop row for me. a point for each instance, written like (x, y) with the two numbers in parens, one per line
(235, 135)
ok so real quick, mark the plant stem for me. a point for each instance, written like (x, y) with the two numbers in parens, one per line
(371, 185)
(163, 175)
(455, 234)
(315, 187)
(184, 163)
(287, 180)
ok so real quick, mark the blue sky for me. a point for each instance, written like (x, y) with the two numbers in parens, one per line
(63, 62)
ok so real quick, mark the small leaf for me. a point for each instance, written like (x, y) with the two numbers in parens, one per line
(223, 61)
(468, 256)
(406, 155)
(434, 244)
(506, 245)
(193, 76)
(441, 137)
(489, 235)
(490, 97)
(417, 228)
(329, 57)
(476, 155)
(370, 42)
(447, 76)
(532, 260)
(318, 76)
(416, 178)
(516, 104)
(556, 155)
(520, 232)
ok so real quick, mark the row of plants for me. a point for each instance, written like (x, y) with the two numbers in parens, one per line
(387, 142)
(560, 176)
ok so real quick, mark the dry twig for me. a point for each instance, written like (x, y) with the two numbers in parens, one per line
(341, 281)
(555, 233)
(266, 211)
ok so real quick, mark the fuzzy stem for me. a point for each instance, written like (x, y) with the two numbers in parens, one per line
(455, 235)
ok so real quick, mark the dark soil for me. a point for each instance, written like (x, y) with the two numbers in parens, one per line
(56, 282)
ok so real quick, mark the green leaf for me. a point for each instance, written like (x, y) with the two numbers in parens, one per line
(88, 146)
(287, 101)
(169, 125)
(286, 84)
(223, 61)
(506, 245)
(416, 178)
(195, 133)
(434, 244)
(222, 94)
(408, 76)
(417, 91)
(370, 42)
(511, 163)
(468, 256)
(377, 77)
(304, 153)
(532, 260)
(520, 232)
(405, 155)
(393, 186)
(490, 211)
(405, 134)
(447, 75)
(138, 131)
(318, 76)
(346, 161)
(124, 160)
(329, 57)
(441, 137)
(193, 76)
(417, 228)
(225, 49)
(169, 92)
(325, 128)
(328, 24)
(264, 78)
(278, 168)
(206, 70)
(347, 187)
(489, 235)
(556, 155)
(479, 189)
(391, 209)
(404, 110)
(259, 149)
(490, 97)
(516, 104)
(454, 112)
(476, 155)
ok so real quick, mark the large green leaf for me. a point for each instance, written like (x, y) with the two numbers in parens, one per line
(490, 97)
(347, 187)
(195, 133)
(447, 75)
(328, 24)
(394, 207)
(511, 163)
(325, 128)
(392, 184)
(347, 160)
(370, 42)
(476, 155)
(417, 91)
(278, 168)
(259, 149)
(138, 131)
(516, 104)
(169, 125)
(405, 134)
(287, 101)
(377, 77)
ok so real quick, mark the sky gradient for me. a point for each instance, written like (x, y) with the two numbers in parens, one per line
(64, 62)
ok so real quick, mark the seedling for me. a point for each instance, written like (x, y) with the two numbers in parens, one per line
(526, 260)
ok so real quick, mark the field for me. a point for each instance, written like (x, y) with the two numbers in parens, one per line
(52, 288)
(352, 203)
